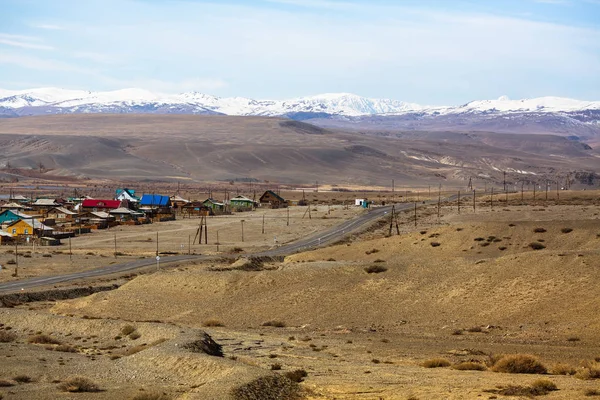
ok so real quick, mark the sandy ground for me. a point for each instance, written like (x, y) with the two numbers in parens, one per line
(358, 335)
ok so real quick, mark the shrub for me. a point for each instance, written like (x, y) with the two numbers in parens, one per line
(373, 251)
(150, 396)
(543, 386)
(519, 364)
(275, 367)
(66, 348)
(479, 239)
(592, 392)
(539, 230)
(22, 379)
(78, 384)
(436, 363)
(457, 332)
(47, 255)
(5, 383)
(536, 246)
(375, 269)
(563, 369)
(475, 329)
(274, 323)
(206, 345)
(127, 330)
(379, 260)
(469, 366)
(271, 387)
(566, 230)
(135, 335)
(537, 388)
(589, 371)
(43, 339)
(296, 375)
(502, 248)
(212, 322)
(11, 262)
(237, 250)
(435, 244)
(6, 337)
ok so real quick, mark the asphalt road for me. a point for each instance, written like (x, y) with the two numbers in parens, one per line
(326, 237)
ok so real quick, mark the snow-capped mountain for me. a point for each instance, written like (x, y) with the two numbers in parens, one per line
(45, 101)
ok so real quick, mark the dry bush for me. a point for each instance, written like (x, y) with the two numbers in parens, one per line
(206, 345)
(22, 379)
(274, 323)
(538, 388)
(271, 387)
(65, 348)
(536, 246)
(436, 363)
(539, 230)
(212, 323)
(78, 384)
(5, 383)
(519, 364)
(6, 337)
(592, 392)
(563, 369)
(375, 269)
(469, 366)
(275, 367)
(566, 230)
(127, 330)
(135, 335)
(475, 329)
(589, 370)
(150, 396)
(296, 375)
(435, 244)
(372, 251)
(43, 339)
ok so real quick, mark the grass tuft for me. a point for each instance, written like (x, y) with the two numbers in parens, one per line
(519, 364)
(271, 387)
(274, 323)
(469, 366)
(43, 339)
(436, 363)
(79, 384)
(375, 269)
(212, 323)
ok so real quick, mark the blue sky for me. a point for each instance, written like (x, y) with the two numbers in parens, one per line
(425, 51)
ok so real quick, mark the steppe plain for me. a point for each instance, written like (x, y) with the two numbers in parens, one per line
(363, 318)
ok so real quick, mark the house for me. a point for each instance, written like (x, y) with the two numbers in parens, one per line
(9, 216)
(127, 194)
(61, 214)
(5, 237)
(215, 206)
(178, 202)
(43, 205)
(195, 208)
(100, 205)
(273, 199)
(19, 198)
(12, 206)
(154, 201)
(125, 214)
(240, 203)
(28, 228)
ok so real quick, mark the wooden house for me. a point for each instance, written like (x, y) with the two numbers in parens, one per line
(127, 195)
(273, 200)
(215, 206)
(43, 205)
(178, 202)
(125, 214)
(94, 205)
(28, 228)
(195, 209)
(5, 237)
(9, 216)
(241, 203)
(61, 214)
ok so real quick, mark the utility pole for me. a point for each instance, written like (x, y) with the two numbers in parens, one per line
(156, 243)
(16, 257)
(263, 224)
(392, 220)
(415, 214)
(189, 244)
(288, 216)
(546, 190)
(115, 245)
(217, 241)
(504, 172)
(473, 200)
(392, 192)
(70, 250)
(522, 185)
(439, 200)
(492, 200)
(242, 221)
(458, 202)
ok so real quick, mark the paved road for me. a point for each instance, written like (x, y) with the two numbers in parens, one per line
(328, 236)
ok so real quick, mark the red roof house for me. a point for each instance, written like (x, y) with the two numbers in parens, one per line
(100, 205)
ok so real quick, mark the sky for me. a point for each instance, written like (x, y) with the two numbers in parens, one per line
(436, 52)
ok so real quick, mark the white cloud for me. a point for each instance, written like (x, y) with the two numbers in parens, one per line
(164, 86)
(51, 27)
(96, 57)
(24, 42)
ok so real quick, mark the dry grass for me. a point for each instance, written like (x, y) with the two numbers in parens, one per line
(78, 384)
(539, 230)
(375, 269)
(5, 383)
(65, 348)
(296, 375)
(271, 387)
(540, 387)
(135, 335)
(127, 330)
(469, 366)
(22, 379)
(563, 369)
(274, 323)
(213, 323)
(589, 370)
(592, 392)
(7, 337)
(43, 339)
(519, 364)
(566, 230)
(537, 246)
(150, 396)
(436, 363)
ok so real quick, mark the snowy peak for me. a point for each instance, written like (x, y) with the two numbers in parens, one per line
(132, 100)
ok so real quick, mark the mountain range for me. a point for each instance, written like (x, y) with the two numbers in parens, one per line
(544, 115)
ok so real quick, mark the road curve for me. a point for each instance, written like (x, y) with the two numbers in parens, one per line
(325, 237)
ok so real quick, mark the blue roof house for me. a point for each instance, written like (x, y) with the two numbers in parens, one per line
(155, 200)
